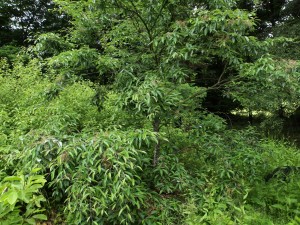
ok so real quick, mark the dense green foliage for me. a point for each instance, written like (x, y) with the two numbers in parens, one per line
(115, 114)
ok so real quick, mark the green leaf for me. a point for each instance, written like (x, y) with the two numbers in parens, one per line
(12, 197)
(35, 170)
(40, 216)
(31, 221)
(12, 178)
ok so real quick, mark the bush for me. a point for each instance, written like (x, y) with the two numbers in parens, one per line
(20, 199)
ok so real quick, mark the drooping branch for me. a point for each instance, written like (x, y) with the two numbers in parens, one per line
(220, 82)
(148, 30)
(164, 4)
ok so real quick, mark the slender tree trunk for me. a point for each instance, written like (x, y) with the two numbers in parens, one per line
(281, 112)
(250, 117)
(156, 152)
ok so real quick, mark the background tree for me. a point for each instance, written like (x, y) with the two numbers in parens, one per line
(22, 19)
